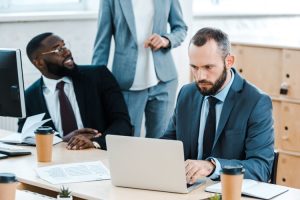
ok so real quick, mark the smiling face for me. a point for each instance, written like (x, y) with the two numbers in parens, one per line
(53, 59)
(210, 69)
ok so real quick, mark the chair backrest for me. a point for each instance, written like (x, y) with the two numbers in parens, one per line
(274, 168)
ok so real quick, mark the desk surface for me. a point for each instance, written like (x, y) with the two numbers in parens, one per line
(24, 168)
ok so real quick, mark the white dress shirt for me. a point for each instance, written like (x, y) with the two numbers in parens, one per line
(221, 96)
(145, 75)
(51, 97)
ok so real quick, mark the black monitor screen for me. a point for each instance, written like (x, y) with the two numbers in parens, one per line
(12, 101)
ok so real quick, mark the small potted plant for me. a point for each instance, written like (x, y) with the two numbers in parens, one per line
(216, 197)
(64, 194)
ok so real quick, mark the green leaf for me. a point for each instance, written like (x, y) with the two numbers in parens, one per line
(64, 192)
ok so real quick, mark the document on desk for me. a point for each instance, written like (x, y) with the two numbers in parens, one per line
(74, 172)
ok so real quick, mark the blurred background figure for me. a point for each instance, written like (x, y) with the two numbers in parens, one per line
(142, 63)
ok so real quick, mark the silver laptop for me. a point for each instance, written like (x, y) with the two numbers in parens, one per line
(145, 163)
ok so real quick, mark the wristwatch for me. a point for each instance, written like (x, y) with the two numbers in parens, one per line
(96, 145)
(169, 45)
(212, 161)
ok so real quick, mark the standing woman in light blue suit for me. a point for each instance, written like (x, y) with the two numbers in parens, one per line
(142, 62)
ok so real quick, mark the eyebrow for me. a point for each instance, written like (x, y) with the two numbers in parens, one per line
(194, 66)
(57, 45)
(191, 65)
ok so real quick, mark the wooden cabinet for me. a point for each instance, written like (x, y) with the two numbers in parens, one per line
(277, 120)
(260, 66)
(290, 72)
(276, 70)
(289, 132)
(287, 170)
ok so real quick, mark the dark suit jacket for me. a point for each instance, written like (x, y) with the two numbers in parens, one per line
(99, 98)
(244, 136)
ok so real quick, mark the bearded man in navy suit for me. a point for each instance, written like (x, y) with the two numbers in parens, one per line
(221, 118)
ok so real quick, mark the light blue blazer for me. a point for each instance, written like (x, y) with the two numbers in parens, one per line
(116, 19)
(244, 136)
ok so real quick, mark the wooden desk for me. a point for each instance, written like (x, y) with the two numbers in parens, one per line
(24, 168)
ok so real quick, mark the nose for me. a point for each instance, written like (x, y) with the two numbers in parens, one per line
(66, 52)
(199, 74)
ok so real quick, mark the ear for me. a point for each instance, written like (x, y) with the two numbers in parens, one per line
(229, 61)
(39, 64)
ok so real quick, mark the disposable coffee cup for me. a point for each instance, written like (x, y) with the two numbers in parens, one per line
(8, 186)
(231, 181)
(44, 142)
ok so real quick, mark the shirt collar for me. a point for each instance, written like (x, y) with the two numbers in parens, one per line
(50, 84)
(221, 95)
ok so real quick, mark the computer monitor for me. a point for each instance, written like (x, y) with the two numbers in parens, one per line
(12, 101)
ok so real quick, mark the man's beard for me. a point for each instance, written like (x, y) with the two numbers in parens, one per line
(61, 71)
(216, 86)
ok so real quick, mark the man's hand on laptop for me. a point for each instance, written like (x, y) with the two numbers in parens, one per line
(81, 138)
(196, 169)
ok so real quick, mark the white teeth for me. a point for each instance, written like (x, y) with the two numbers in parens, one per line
(68, 61)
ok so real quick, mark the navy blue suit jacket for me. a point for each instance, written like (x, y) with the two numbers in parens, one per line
(244, 135)
(99, 98)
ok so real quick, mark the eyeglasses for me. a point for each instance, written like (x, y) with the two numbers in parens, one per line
(59, 50)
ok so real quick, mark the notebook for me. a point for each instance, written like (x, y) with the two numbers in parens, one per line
(145, 163)
(18, 139)
(27, 136)
(12, 150)
(254, 189)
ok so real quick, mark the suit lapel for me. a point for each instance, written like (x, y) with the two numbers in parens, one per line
(79, 90)
(42, 104)
(229, 103)
(195, 123)
(158, 12)
(227, 107)
(127, 9)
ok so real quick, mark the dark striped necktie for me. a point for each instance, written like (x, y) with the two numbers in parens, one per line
(68, 120)
(210, 128)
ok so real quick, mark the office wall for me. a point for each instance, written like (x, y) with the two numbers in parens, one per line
(18, 34)
(284, 28)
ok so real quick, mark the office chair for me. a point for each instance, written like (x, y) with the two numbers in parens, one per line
(274, 168)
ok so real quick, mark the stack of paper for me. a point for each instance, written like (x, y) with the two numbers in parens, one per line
(74, 172)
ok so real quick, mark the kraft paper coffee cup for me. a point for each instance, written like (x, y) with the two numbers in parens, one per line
(44, 142)
(8, 186)
(231, 181)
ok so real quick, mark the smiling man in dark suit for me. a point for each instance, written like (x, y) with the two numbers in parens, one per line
(84, 102)
(221, 118)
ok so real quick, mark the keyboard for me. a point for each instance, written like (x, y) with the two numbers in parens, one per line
(12, 150)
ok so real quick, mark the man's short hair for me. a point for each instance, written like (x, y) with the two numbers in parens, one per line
(207, 33)
(35, 43)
